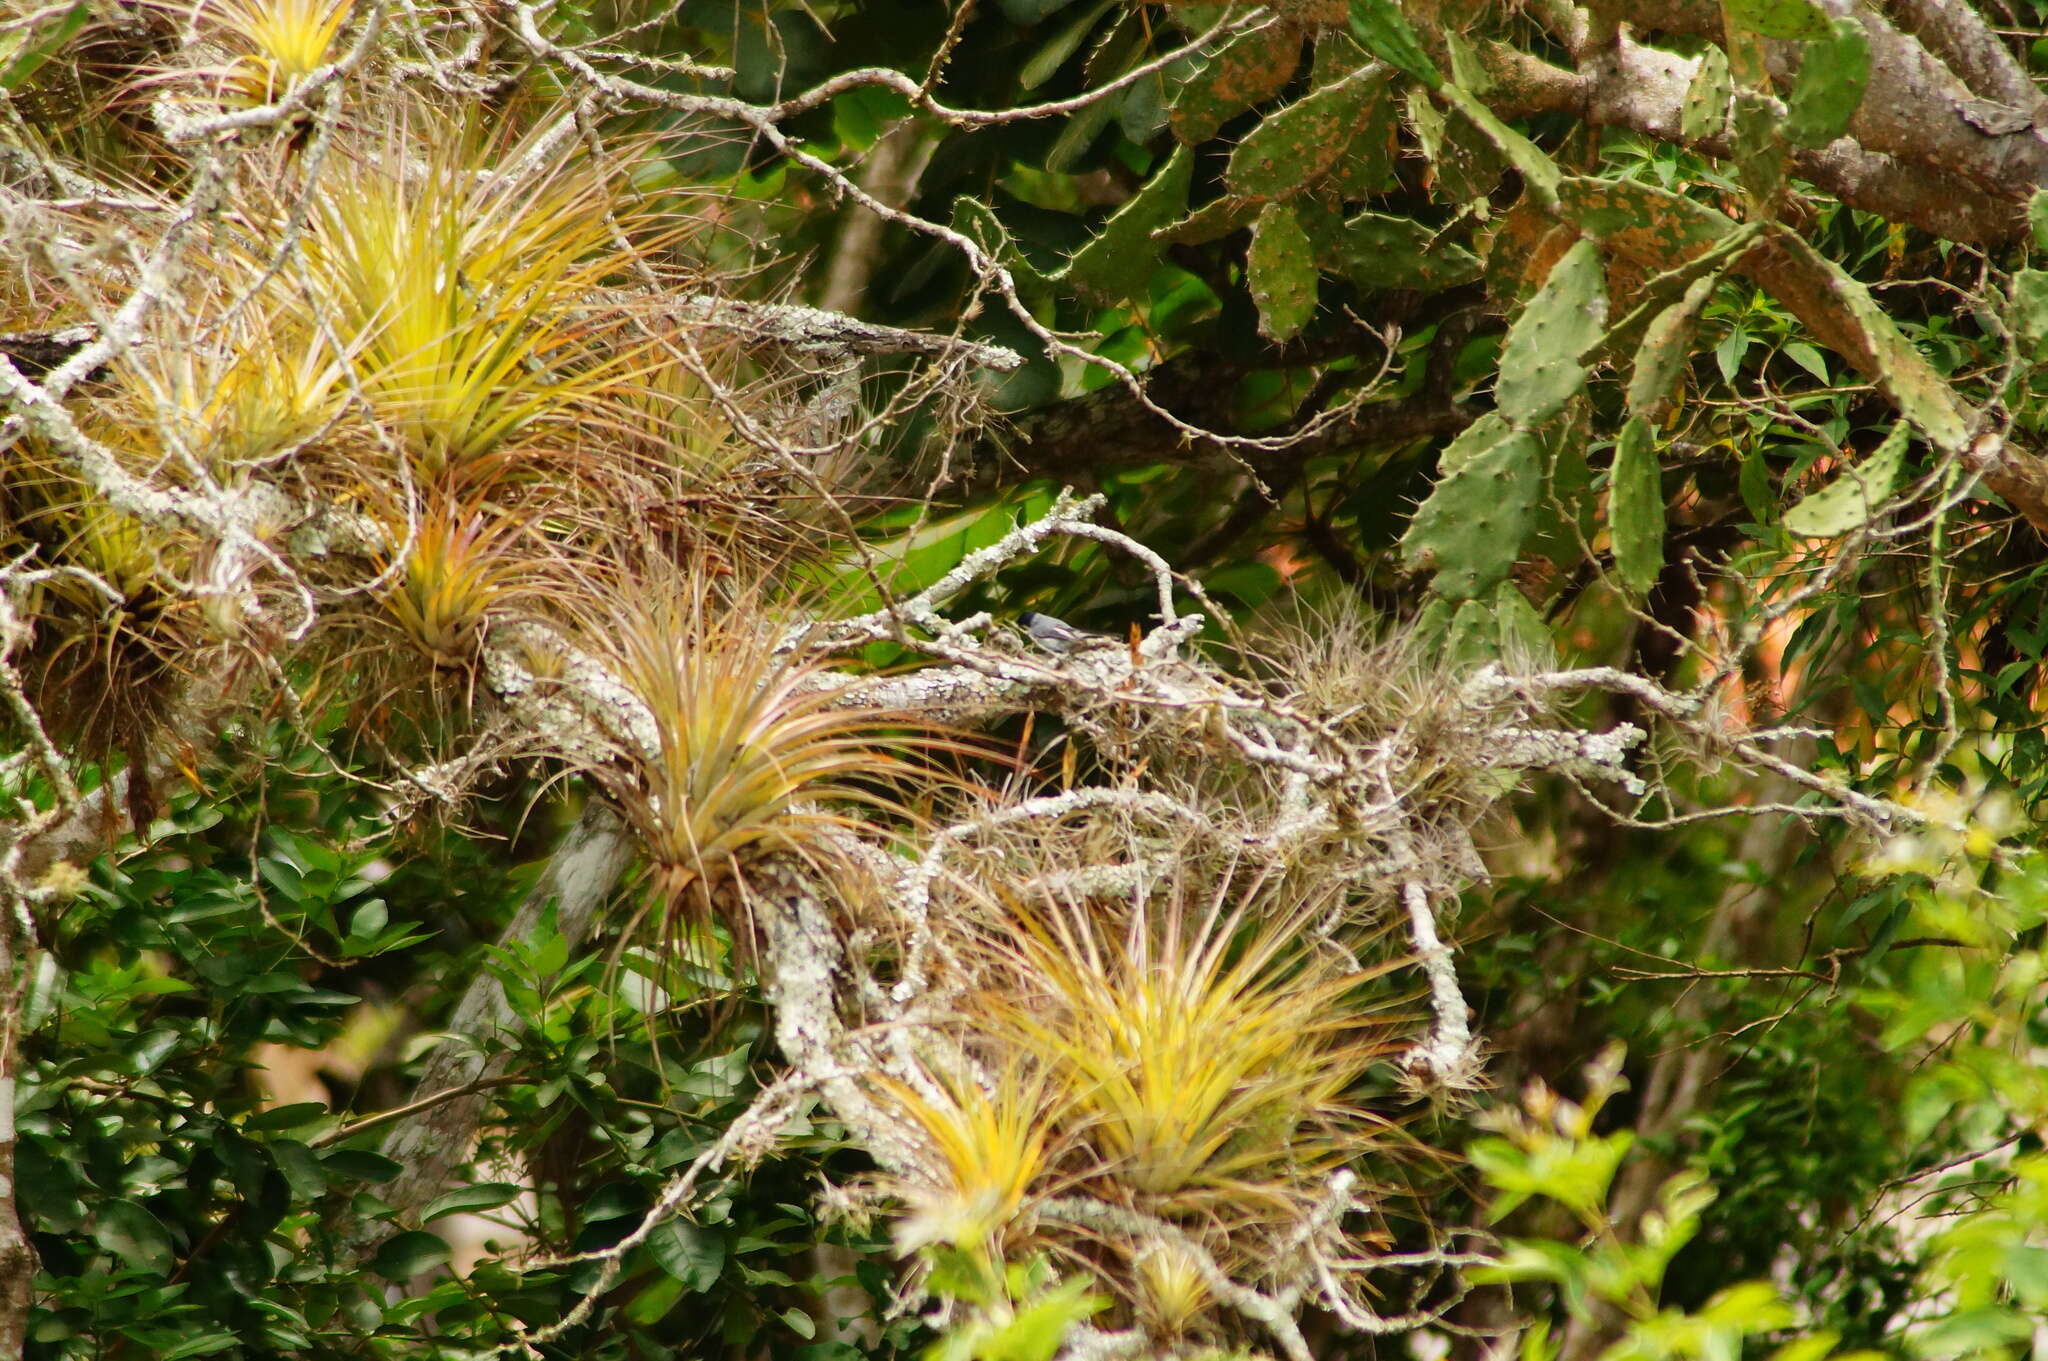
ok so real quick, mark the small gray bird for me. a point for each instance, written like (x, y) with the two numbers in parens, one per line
(1057, 636)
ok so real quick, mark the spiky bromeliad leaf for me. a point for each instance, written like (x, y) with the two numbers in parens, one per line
(745, 749)
(462, 564)
(1471, 528)
(1635, 508)
(984, 1151)
(1206, 1048)
(463, 299)
(1540, 366)
(1848, 502)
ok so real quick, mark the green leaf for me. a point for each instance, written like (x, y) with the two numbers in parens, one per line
(369, 922)
(1382, 30)
(1753, 482)
(1808, 358)
(1705, 110)
(289, 1116)
(1117, 264)
(484, 1195)
(1847, 502)
(800, 1323)
(693, 1255)
(1081, 132)
(135, 1236)
(1635, 508)
(1540, 368)
(1798, 20)
(359, 1164)
(1470, 530)
(1039, 1328)
(1833, 74)
(302, 1171)
(408, 1254)
(1295, 147)
(1282, 273)
(2037, 218)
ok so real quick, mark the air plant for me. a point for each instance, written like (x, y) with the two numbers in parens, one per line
(986, 1154)
(1210, 1042)
(115, 636)
(750, 748)
(1209, 1049)
(460, 279)
(224, 385)
(273, 45)
(462, 564)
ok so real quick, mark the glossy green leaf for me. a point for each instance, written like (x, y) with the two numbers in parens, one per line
(483, 1195)
(1046, 62)
(692, 1254)
(360, 1164)
(406, 1255)
(134, 1235)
